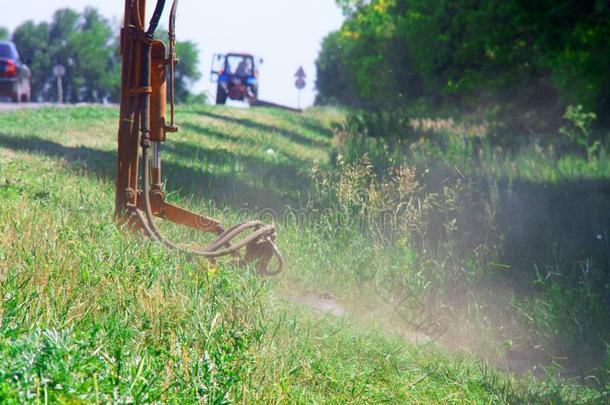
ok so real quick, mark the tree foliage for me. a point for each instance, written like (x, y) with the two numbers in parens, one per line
(87, 45)
(520, 54)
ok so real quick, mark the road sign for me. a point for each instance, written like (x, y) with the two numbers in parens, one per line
(300, 73)
(300, 82)
(59, 71)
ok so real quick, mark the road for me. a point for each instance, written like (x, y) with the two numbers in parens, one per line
(4, 107)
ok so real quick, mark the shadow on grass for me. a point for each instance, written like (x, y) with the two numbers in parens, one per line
(250, 124)
(567, 222)
(555, 252)
(285, 177)
(201, 130)
(256, 191)
(546, 250)
(254, 143)
(542, 224)
(556, 242)
(314, 126)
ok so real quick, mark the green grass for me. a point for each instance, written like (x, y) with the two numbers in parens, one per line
(93, 314)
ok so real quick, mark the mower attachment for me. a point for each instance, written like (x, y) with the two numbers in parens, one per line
(144, 127)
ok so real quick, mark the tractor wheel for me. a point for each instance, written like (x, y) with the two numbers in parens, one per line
(221, 96)
(252, 95)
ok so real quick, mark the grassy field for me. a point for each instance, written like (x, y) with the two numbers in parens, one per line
(92, 314)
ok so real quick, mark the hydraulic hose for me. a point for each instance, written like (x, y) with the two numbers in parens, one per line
(215, 250)
(172, 16)
(172, 62)
(156, 17)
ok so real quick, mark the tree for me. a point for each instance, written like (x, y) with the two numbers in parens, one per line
(366, 62)
(4, 34)
(93, 59)
(187, 72)
(516, 56)
(86, 45)
(334, 81)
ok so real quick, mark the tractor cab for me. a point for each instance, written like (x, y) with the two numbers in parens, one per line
(237, 77)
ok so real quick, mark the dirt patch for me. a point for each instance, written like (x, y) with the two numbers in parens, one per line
(326, 304)
(323, 303)
(390, 319)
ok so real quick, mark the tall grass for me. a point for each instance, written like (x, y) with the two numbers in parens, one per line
(479, 237)
(93, 314)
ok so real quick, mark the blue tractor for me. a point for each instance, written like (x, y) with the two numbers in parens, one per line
(237, 77)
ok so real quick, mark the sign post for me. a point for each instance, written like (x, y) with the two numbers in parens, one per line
(59, 71)
(300, 82)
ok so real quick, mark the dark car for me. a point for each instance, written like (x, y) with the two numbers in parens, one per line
(237, 77)
(15, 76)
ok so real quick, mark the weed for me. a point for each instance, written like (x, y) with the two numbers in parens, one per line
(580, 131)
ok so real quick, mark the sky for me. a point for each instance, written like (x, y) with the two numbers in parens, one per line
(285, 33)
